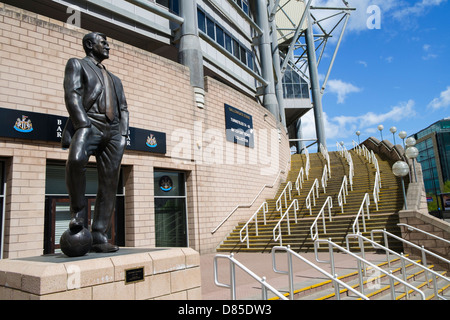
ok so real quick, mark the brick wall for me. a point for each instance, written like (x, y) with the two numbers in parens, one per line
(220, 174)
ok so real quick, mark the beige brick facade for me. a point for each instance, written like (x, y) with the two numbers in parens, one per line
(220, 175)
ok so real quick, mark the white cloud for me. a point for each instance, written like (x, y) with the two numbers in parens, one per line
(442, 102)
(342, 127)
(417, 9)
(342, 89)
(428, 53)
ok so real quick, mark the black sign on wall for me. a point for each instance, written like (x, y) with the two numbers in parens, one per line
(239, 127)
(46, 127)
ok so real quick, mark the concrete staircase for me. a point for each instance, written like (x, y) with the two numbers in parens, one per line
(391, 201)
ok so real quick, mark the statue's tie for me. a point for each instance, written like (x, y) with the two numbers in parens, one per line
(108, 93)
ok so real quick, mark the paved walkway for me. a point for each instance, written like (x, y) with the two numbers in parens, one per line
(261, 264)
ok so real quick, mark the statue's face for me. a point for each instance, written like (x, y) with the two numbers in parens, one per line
(100, 48)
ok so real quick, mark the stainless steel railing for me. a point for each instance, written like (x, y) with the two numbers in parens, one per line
(361, 263)
(403, 260)
(290, 272)
(265, 287)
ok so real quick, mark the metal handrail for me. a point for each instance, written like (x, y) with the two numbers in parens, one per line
(421, 248)
(233, 263)
(366, 201)
(328, 201)
(308, 164)
(251, 203)
(343, 192)
(285, 214)
(314, 195)
(326, 156)
(376, 189)
(290, 273)
(401, 256)
(324, 179)
(299, 181)
(278, 204)
(361, 262)
(265, 208)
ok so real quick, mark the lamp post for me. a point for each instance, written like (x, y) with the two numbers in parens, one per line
(381, 127)
(358, 133)
(412, 153)
(402, 135)
(401, 169)
(393, 130)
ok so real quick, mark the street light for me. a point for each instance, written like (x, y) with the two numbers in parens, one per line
(358, 133)
(381, 127)
(412, 153)
(401, 169)
(402, 135)
(410, 142)
(393, 130)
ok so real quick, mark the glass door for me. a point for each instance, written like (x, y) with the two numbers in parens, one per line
(57, 208)
(170, 209)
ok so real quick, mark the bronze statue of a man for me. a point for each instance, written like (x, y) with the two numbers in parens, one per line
(97, 125)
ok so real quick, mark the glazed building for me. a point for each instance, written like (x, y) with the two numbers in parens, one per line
(206, 145)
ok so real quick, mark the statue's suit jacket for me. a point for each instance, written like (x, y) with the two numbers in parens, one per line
(83, 86)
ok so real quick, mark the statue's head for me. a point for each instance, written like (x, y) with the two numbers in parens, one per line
(96, 45)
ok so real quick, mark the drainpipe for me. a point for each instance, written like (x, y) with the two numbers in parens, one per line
(265, 47)
(190, 52)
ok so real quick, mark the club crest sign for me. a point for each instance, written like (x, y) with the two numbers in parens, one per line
(23, 125)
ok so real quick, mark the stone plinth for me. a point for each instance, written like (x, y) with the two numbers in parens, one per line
(172, 273)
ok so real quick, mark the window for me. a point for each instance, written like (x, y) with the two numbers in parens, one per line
(236, 51)
(172, 5)
(294, 87)
(170, 209)
(201, 20)
(243, 4)
(228, 43)
(220, 36)
(207, 25)
(210, 26)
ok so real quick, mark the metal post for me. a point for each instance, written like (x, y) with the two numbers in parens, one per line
(270, 100)
(404, 194)
(232, 275)
(190, 52)
(315, 87)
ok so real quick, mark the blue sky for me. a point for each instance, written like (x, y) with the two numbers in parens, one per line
(397, 75)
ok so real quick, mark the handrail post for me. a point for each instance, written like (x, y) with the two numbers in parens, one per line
(232, 278)
(291, 275)
(424, 262)
(360, 276)
(386, 244)
(402, 260)
(336, 287)
(392, 286)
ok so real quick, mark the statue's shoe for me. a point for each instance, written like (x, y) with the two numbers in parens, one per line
(104, 247)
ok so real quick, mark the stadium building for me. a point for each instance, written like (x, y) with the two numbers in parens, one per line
(215, 95)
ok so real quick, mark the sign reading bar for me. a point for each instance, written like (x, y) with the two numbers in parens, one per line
(46, 127)
(134, 275)
(239, 127)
